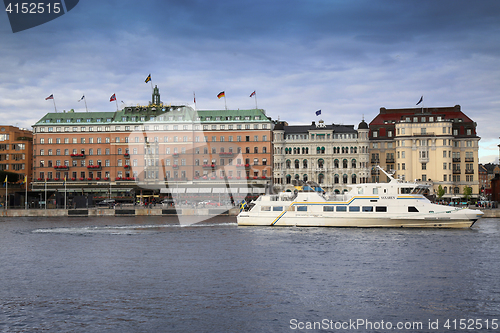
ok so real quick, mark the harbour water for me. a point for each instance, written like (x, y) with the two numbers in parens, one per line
(152, 274)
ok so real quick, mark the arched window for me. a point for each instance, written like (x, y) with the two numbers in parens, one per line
(353, 164)
(295, 150)
(304, 164)
(288, 164)
(321, 163)
(305, 178)
(336, 163)
(456, 190)
(288, 179)
(344, 164)
(336, 179)
(321, 178)
(307, 150)
(322, 150)
(353, 179)
(355, 150)
(297, 164)
(298, 151)
(297, 177)
(344, 179)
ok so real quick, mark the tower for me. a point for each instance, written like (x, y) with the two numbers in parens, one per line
(155, 100)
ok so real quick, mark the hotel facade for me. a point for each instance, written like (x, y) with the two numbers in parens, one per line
(154, 148)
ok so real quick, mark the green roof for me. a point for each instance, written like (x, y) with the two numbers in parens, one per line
(140, 114)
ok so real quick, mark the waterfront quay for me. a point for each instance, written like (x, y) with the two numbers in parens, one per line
(120, 211)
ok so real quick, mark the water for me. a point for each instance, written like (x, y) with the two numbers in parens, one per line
(149, 274)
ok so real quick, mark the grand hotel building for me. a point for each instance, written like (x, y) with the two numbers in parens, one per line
(154, 147)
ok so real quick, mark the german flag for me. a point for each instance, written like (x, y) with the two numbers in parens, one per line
(221, 94)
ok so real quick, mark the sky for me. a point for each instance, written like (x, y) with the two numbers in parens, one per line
(346, 58)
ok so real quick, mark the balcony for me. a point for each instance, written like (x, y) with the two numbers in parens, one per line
(61, 167)
(469, 171)
(208, 166)
(457, 172)
(94, 167)
(225, 154)
(389, 160)
(375, 161)
(80, 156)
(469, 159)
(456, 159)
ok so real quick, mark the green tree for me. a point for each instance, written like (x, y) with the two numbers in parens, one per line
(440, 192)
(467, 192)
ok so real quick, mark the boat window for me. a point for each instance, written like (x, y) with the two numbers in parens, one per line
(277, 208)
(290, 208)
(328, 208)
(360, 190)
(367, 209)
(375, 190)
(412, 209)
(341, 208)
(381, 209)
(265, 208)
(302, 208)
(354, 208)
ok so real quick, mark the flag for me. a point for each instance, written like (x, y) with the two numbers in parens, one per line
(148, 79)
(194, 97)
(420, 101)
(50, 97)
(221, 94)
(5, 181)
(318, 112)
(113, 98)
(252, 94)
(243, 205)
(24, 180)
(64, 181)
(81, 98)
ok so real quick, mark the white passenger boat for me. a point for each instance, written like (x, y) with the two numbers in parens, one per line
(393, 204)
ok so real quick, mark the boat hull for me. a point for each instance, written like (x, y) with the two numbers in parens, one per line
(366, 222)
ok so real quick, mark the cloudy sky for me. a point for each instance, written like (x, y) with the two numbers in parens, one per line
(347, 58)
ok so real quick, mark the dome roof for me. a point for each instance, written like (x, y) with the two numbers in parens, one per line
(363, 125)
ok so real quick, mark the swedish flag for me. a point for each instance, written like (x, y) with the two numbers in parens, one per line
(148, 78)
(243, 205)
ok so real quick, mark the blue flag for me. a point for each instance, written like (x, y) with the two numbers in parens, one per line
(318, 112)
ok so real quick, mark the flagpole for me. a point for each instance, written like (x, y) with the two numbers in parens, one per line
(225, 104)
(6, 194)
(255, 95)
(85, 100)
(116, 100)
(26, 193)
(64, 193)
(54, 100)
(45, 193)
(194, 99)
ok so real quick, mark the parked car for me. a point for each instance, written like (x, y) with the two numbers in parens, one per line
(106, 202)
(167, 202)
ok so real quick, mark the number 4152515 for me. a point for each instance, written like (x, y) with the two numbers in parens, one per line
(33, 8)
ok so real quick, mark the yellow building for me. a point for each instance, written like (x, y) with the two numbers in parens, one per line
(436, 145)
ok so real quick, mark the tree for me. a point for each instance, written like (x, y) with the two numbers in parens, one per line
(440, 192)
(467, 192)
